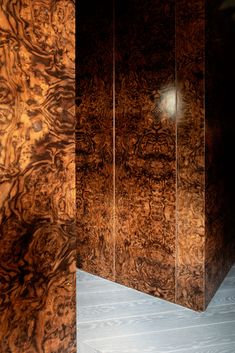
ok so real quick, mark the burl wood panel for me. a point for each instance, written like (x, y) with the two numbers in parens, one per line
(190, 223)
(145, 146)
(220, 132)
(37, 184)
(94, 138)
(155, 191)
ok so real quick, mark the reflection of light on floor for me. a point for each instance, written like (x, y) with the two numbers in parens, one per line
(168, 102)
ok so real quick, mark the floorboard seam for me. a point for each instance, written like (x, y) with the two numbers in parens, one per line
(204, 346)
(134, 316)
(161, 331)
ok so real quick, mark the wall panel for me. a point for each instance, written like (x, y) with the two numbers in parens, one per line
(145, 146)
(220, 132)
(164, 222)
(190, 253)
(94, 137)
(37, 185)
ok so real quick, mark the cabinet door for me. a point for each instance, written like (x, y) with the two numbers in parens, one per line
(145, 183)
(94, 137)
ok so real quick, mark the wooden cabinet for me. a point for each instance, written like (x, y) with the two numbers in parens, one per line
(154, 136)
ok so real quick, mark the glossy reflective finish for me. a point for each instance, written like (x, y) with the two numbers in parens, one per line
(94, 138)
(37, 228)
(145, 146)
(219, 141)
(190, 227)
(153, 163)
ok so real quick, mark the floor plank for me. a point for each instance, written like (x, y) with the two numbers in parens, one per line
(84, 276)
(171, 340)
(117, 296)
(157, 322)
(125, 309)
(219, 348)
(223, 297)
(231, 272)
(116, 319)
(87, 348)
(96, 286)
(228, 283)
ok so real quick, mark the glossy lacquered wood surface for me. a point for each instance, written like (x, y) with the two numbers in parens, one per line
(94, 137)
(145, 146)
(155, 131)
(219, 141)
(125, 153)
(37, 184)
(190, 224)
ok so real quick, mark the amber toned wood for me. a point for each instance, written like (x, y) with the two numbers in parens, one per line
(220, 132)
(37, 186)
(190, 252)
(94, 138)
(155, 210)
(145, 146)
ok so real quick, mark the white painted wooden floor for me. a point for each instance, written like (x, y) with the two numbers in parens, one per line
(115, 319)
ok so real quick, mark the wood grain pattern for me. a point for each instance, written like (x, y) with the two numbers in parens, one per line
(158, 322)
(94, 138)
(136, 307)
(124, 296)
(220, 131)
(153, 165)
(37, 186)
(155, 325)
(145, 147)
(190, 154)
(222, 333)
(224, 348)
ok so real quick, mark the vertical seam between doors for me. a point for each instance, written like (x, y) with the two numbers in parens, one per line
(176, 162)
(204, 112)
(114, 146)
